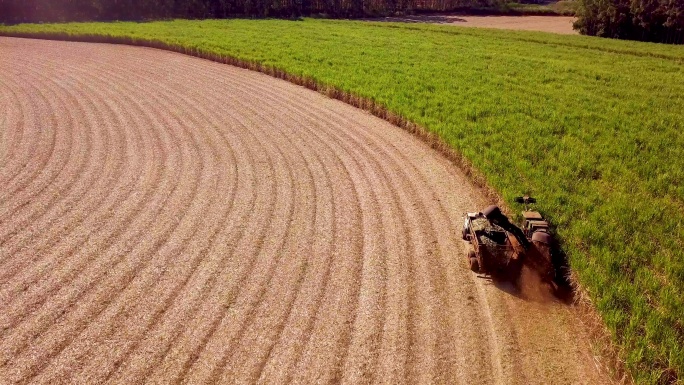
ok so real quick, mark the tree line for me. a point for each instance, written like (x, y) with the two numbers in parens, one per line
(31, 11)
(646, 20)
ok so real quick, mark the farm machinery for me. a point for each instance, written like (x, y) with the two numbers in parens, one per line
(500, 249)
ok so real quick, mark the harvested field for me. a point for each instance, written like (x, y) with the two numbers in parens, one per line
(169, 219)
(553, 24)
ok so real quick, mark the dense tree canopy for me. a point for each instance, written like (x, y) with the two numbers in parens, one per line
(647, 20)
(18, 11)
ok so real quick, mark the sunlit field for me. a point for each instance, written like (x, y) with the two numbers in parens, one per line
(591, 127)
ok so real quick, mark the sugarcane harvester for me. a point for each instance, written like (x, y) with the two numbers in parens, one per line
(500, 249)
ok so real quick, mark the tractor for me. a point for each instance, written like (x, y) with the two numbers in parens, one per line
(500, 249)
(492, 250)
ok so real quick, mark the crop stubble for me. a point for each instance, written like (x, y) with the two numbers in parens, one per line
(169, 219)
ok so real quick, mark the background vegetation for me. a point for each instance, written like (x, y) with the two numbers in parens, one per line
(25, 11)
(591, 127)
(553, 8)
(645, 20)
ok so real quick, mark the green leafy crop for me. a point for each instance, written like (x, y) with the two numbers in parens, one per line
(594, 128)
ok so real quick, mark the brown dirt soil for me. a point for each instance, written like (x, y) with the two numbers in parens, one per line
(554, 24)
(169, 219)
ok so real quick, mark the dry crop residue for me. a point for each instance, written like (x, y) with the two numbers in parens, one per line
(553, 24)
(170, 219)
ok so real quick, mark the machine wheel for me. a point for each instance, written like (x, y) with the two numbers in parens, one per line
(464, 235)
(472, 261)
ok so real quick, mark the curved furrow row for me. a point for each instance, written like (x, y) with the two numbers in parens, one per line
(58, 175)
(248, 241)
(371, 272)
(35, 149)
(70, 205)
(410, 195)
(173, 220)
(86, 227)
(255, 237)
(410, 210)
(271, 254)
(370, 350)
(330, 338)
(343, 344)
(415, 201)
(298, 244)
(65, 297)
(50, 162)
(477, 307)
(442, 259)
(102, 214)
(14, 197)
(25, 288)
(501, 338)
(148, 266)
(160, 297)
(191, 288)
(451, 254)
(378, 173)
(270, 303)
(222, 289)
(369, 338)
(198, 284)
(13, 125)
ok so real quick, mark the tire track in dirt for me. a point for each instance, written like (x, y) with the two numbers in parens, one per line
(13, 113)
(13, 187)
(138, 276)
(67, 198)
(246, 106)
(284, 107)
(133, 368)
(115, 232)
(261, 286)
(27, 170)
(35, 176)
(65, 206)
(118, 198)
(367, 155)
(291, 274)
(194, 222)
(194, 263)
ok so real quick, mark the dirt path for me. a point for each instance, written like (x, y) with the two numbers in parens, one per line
(554, 24)
(169, 219)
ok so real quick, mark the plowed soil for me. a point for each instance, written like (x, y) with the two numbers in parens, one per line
(168, 219)
(553, 24)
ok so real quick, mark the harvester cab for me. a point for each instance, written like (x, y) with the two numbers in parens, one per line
(530, 245)
(534, 222)
(537, 230)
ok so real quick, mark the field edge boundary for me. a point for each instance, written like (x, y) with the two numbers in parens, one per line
(609, 355)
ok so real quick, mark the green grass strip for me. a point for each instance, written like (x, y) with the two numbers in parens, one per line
(592, 127)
